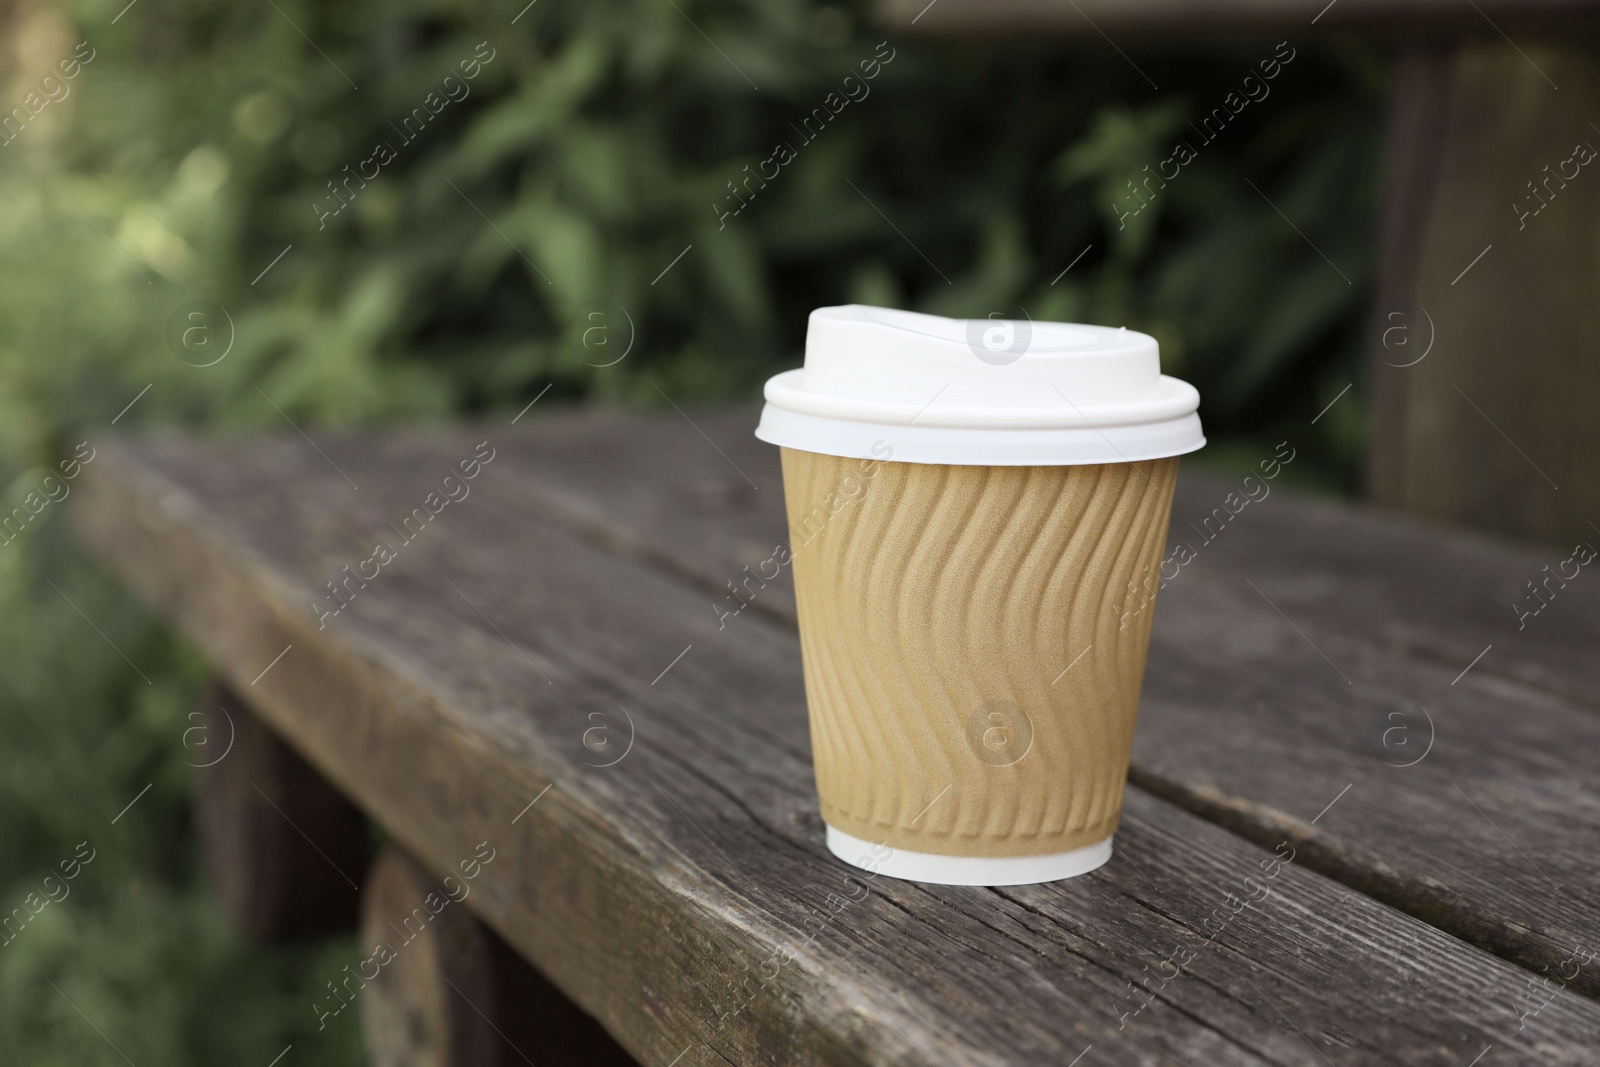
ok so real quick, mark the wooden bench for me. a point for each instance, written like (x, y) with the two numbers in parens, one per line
(1361, 827)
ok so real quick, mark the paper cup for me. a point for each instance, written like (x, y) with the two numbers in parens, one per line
(971, 580)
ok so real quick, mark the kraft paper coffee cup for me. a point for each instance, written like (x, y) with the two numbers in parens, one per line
(974, 507)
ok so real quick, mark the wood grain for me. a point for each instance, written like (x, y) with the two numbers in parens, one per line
(1243, 718)
(682, 894)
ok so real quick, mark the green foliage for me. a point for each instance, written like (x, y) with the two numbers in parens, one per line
(597, 143)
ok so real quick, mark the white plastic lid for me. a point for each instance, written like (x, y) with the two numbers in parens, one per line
(992, 392)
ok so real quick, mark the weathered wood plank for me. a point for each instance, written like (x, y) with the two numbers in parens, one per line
(429, 998)
(1242, 717)
(1421, 592)
(1190, 19)
(682, 894)
(1495, 428)
(1400, 333)
(438, 988)
(252, 791)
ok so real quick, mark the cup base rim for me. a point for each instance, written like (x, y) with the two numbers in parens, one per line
(970, 870)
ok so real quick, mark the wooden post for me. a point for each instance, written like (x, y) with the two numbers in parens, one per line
(283, 848)
(444, 990)
(1495, 427)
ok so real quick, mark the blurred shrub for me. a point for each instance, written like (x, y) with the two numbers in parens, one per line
(590, 165)
(599, 141)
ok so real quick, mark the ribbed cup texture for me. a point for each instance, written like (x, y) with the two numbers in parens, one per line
(974, 641)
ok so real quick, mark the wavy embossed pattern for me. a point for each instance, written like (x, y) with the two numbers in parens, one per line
(971, 684)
